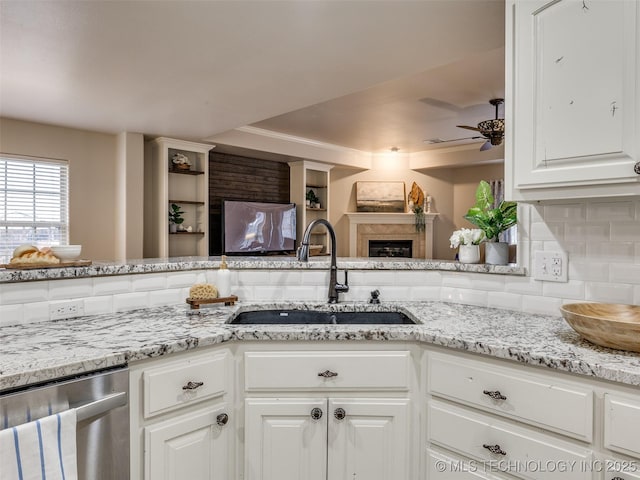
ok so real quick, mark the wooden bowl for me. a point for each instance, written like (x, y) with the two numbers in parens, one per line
(606, 324)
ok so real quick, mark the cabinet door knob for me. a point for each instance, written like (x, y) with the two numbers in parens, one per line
(316, 413)
(327, 374)
(339, 413)
(192, 385)
(636, 168)
(222, 419)
(495, 449)
(495, 394)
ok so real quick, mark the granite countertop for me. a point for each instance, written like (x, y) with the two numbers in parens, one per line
(45, 351)
(154, 265)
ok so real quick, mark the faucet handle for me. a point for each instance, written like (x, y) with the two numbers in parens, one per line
(343, 287)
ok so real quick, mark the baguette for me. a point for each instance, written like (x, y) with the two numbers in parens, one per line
(32, 255)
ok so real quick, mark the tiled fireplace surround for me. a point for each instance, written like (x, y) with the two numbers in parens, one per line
(601, 237)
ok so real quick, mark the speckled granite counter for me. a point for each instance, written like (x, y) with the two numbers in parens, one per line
(153, 265)
(38, 352)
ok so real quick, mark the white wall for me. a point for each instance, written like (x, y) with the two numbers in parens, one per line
(95, 205)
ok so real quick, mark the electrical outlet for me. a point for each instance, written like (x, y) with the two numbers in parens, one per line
(550, 266)
(66, 309)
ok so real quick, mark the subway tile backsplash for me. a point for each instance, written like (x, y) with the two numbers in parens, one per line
(601, 239)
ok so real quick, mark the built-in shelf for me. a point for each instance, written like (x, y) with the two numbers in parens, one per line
(316, 209)
(187, 172)
(186, 233)
(316, 186)
(186, 202)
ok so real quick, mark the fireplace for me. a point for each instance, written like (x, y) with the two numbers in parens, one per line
(365, 227)
(391, 248)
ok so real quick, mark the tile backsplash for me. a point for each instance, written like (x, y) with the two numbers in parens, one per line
(601, 238)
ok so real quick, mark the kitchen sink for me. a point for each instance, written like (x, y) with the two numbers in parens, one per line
(315, 317)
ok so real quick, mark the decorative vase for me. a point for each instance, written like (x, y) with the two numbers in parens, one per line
(496, 253)
(469, 253)
(173, 228)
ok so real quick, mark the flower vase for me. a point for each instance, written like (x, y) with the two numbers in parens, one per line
(173, 228)
(496, 253)
(469, 253)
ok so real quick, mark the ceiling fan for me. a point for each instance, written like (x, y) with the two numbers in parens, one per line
(492, 130)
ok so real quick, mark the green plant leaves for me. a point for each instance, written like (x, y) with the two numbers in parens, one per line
(492, 221)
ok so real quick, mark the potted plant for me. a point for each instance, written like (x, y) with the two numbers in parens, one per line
(175, 218)
(493, 221)
(180, 162)
(312, 199)
(467, 241)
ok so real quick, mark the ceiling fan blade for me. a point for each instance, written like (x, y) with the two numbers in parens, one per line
(433, 141)
(468, 127)
(486, 146)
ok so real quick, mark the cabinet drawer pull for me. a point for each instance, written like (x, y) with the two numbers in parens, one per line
(316, 413)
(495, 449)
(222, 419)
(339, 413)
(327, 374)
(618, 478)
(192, 385)
(495, 394)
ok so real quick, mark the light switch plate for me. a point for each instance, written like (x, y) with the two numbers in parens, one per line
(550, 266)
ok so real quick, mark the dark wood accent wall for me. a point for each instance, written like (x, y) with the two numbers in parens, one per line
(232, 177)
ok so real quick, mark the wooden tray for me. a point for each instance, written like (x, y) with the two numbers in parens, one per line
(31, 266)
(195, 304)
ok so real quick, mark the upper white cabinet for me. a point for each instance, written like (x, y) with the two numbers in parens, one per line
(166, 184)
(573, 99)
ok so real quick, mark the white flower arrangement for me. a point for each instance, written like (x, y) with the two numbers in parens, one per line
(180, 159)
(466, 236)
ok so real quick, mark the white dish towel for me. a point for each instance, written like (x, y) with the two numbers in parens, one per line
(43, 449)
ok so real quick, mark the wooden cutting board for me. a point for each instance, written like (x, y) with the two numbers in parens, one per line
(31, 266)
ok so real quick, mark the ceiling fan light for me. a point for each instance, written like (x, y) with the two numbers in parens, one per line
(486, 146)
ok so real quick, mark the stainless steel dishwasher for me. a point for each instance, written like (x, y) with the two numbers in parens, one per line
(102, 409)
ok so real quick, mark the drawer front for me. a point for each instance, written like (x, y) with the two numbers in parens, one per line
(615, 469)
(519, 451)
(334, 370)
(622, 424)
(444, 467)
(184, 382)
(536, 399)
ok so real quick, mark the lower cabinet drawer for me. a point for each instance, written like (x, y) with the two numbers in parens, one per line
(540, 400)
(501, 446)
(327, 370)
(445, 467)
(616, 469)
(184, 382)
(622, 424)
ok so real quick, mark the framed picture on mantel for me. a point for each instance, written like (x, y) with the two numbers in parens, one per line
(380, 197)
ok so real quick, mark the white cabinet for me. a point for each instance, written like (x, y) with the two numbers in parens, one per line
(328, 415)
(181, 417)
(572, 99)
(622, 424)
(165, 184)
(308, 176)
(193, 446)
(326, 438)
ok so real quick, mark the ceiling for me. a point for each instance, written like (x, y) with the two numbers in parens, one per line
(362, 74)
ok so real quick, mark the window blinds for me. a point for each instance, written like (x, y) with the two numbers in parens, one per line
(34, 203)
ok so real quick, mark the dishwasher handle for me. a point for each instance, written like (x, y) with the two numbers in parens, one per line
(100, 406)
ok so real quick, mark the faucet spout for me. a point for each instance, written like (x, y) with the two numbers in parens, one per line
(303, 256)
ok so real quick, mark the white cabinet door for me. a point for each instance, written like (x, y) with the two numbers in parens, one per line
(369, 439)
(192, 446)
(283, 441)
(573, 104)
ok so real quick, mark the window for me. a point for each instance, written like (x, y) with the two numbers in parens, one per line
(34, 204)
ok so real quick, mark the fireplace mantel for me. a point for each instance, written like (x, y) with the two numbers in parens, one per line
(373, 219)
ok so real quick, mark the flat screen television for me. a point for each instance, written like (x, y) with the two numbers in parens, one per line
(258, 227)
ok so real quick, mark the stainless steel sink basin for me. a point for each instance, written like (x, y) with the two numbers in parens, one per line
(315, 317)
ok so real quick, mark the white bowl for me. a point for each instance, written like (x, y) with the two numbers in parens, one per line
(67, 252)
